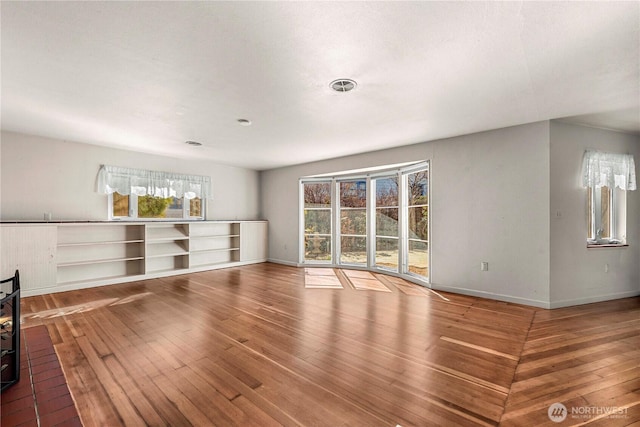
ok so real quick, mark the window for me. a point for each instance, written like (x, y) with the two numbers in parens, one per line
(143, 194)
(119, 205)
(607, 178)
(381, 217)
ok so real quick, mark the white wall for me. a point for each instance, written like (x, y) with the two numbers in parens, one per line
(490, 202)
(577, 273)
(46, 175)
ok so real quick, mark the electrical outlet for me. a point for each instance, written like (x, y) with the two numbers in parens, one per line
(606, 267)
(484, 266)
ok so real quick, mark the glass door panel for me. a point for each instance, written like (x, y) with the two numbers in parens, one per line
(353, 221)
(317, 221)
(417, 223)
(386, 217)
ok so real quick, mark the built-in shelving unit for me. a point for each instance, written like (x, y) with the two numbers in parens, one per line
(167, 247)
(96, 252)
(73, 255)
(214, 243)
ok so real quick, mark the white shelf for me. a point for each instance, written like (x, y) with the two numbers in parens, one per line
(89, 234)
(167, 254)
(98, 261)
(99, 270)
(112, 242)
(166, 270)
(167, 232)
(214, 230)
(98, 252)
(166, 262)
(214, 250)
(215, 236)
(167, 248)
(167, 239)
(213, 257)
(108, 278)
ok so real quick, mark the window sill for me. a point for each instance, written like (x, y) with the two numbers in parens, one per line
(607, 245)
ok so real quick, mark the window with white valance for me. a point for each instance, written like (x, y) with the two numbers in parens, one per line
(611, 170)
(140, 193)
(607, 177)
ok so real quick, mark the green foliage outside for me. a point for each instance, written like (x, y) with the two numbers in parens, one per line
(153, 207)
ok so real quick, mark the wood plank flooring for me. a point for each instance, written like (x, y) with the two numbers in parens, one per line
(252, 346)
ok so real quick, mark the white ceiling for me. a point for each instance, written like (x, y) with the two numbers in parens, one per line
(147, 76)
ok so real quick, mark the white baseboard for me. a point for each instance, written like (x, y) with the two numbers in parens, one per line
(490, 295)
(592, 299)
(283, 262)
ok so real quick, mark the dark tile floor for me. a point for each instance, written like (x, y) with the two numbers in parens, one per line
(42, 393)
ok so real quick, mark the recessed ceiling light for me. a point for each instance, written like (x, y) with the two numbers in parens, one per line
(244, 122)
(194, 143)
(343, 85)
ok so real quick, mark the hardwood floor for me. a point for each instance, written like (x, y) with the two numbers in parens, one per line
(252, 346)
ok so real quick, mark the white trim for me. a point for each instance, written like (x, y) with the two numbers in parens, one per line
(301, 224)
(288, 263)
(375, 170)
(593, 299)
(492, 296)
(370, 215)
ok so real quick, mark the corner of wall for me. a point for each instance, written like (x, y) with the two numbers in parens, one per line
(578, 275)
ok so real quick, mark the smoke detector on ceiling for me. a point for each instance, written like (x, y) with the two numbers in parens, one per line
(343, 85)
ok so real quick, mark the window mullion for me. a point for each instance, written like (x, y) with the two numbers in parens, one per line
(598, 210)
(613, 228)
(301, 224)
(133, 205)
(110, 206)
(403, 246)
(335, 226)
(371, 222)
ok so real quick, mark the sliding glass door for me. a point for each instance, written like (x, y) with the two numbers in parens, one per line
(317, 221)
(378, 221)
(387, 227)
(417, 223)
(353, 221)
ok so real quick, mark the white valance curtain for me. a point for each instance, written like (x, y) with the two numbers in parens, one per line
(612, 170)
(143, 182)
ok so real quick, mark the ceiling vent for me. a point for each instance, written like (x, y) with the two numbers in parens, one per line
(194, 143)
(343, 85)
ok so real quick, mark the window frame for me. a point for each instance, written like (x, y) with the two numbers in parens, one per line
(134, 183)
(374, 221)
(340, 209)
(616, 215)
(406, 233)
(301, 220)
(133, 210)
